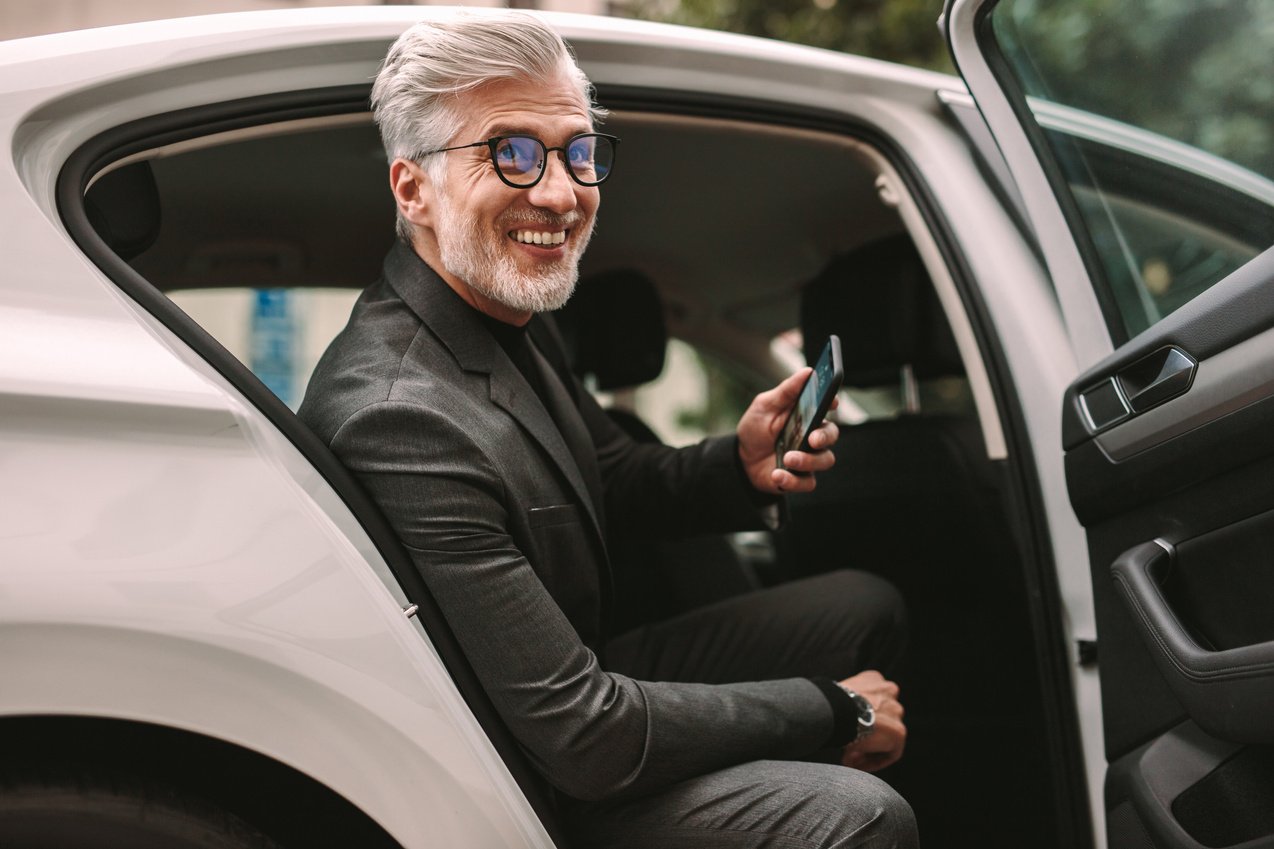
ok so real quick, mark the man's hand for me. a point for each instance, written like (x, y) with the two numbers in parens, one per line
(760, 426)
(884, 745)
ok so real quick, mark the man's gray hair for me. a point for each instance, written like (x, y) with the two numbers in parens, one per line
(415, 97)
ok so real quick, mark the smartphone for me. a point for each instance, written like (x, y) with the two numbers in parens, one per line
(814, 401)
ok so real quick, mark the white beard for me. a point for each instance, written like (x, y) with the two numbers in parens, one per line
(469, 251)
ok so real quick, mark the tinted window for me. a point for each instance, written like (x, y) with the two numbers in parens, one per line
(1159, 117)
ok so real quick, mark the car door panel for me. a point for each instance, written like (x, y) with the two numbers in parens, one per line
(1168, 437)
(1178, 502)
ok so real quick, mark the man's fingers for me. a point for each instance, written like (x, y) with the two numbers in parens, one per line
(808, 462)
(881, 748)
(782, 397)
(787, 482)
(824, 436)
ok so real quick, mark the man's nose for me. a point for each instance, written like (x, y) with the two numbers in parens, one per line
(556, 189)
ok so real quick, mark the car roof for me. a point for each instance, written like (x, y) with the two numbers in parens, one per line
(100, 51)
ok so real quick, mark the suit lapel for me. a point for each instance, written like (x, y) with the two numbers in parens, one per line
(573, 431)
(460, 329)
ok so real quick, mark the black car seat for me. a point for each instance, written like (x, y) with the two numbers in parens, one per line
(906, 488)
(914, 498)
(616, 339)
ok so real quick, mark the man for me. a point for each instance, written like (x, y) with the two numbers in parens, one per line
(501, 476)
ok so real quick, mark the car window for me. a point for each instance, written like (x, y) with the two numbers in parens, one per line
(1158, 116)
(278, 333)
(701, 393)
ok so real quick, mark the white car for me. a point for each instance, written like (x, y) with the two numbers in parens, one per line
(1059, 349)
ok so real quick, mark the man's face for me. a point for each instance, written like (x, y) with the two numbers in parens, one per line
(487, 231)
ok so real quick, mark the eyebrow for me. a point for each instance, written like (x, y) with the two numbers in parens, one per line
(518, 130)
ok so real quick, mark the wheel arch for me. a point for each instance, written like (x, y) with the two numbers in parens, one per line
(376, 741)
(293, 808)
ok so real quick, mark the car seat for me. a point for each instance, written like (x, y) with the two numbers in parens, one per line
(616, 338)
(913, 497)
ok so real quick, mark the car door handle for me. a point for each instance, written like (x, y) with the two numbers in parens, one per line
(1157, 377)
(1228, 693)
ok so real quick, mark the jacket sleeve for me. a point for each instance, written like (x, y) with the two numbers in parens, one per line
(593, 734)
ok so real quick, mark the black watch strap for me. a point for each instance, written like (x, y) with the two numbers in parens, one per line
(865, 714)
(844, 713)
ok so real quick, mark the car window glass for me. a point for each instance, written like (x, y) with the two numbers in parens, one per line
(278, 333)
(701, 393)
(698, 394)
(1159, 118)
(945, 395)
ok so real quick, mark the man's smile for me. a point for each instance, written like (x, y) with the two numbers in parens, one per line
(537, 237)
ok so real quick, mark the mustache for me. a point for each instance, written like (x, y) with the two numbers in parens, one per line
(541, 217)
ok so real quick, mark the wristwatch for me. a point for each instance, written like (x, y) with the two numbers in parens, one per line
(866, 713)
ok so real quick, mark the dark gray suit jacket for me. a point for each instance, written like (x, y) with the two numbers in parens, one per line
(418, 399)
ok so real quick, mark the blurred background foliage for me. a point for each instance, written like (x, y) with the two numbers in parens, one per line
(1198, 71)
(897, 30)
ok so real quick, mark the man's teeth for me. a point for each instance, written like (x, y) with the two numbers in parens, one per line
(530, 237)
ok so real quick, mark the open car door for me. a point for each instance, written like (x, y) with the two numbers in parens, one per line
(1140, 135)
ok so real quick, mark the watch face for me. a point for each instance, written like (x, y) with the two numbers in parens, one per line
(866, 713)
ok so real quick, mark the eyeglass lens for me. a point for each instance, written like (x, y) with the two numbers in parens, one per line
(522, 158)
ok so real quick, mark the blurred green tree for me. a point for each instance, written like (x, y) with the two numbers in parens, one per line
(897, 30)
(1199, 71)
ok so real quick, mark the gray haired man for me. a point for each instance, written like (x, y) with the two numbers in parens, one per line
(503, 478)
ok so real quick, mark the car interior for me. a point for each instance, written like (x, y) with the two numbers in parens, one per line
(727, 249)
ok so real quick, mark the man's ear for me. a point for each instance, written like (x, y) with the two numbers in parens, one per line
(413, 192)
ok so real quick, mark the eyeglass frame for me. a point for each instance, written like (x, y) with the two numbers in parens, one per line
(491, 143)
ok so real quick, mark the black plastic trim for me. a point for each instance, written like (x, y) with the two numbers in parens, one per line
(1233, 310)
(1102, 489)
(1154, 776)
(1228, 692)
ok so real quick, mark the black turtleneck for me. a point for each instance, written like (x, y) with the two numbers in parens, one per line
(517, 344)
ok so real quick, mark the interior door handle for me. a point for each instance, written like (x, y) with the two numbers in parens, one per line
(1228, 693)
(1157, 377)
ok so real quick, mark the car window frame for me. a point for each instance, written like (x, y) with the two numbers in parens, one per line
(137, 136)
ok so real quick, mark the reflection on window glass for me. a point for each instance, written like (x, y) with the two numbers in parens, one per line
(278, 333)
(1160, 117)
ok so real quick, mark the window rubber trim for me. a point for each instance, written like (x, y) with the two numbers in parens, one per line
(1008, 80)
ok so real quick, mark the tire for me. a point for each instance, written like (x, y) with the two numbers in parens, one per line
(82, 810)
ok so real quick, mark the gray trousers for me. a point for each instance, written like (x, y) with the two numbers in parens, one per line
(831, 625)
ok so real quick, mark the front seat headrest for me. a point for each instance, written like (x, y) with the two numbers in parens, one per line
(880, 301)
(614, 328)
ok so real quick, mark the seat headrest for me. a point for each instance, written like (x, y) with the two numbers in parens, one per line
(614, 329)
(123, 207)
(880, 301)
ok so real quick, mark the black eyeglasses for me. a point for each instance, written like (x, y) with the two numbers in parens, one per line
(520, 160)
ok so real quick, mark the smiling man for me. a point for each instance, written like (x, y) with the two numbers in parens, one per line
(447, 395)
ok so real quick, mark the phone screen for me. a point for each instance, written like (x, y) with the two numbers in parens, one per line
(812, 403)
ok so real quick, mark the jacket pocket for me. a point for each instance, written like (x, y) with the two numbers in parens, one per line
(554, 514)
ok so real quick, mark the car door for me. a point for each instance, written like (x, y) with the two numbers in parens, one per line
(1140, 136)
